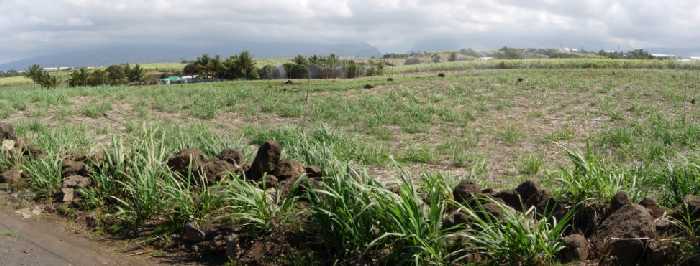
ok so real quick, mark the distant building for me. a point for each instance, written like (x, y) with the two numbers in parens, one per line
(171, 80)
(178, 80)
(485, 58)
(664, 56)
(694, 58)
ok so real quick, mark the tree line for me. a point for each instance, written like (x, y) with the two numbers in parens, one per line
(240, 66)
(113, 75)
(244, 66)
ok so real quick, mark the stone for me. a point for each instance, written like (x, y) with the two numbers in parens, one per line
(266, 160)
(231, 245)
(71, 167)
(68, 195)
(454, 219)
(76, 181)
(620, 199)
(510, 198)
(658, 253)
(192, 234)
(234, 157)
(12, 176)
(466, 192)
(586, 219)
(187, 161)
(653, 208)
(623, 252)
(7, 132)
(270, 181)
(531, 194)
(622, 235)
(289, 169)
(575, 249)
(313, 171)
(217, 170)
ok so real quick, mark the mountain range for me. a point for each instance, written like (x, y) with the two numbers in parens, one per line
(170, 52)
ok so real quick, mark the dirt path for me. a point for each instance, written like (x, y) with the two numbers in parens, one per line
(45, 241)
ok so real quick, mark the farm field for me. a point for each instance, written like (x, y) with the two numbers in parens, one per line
(634, 128)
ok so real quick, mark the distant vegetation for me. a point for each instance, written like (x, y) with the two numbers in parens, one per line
(42, 77)
(114, 75)
(243, 66)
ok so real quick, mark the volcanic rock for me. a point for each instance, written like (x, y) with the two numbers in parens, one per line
(187, 161)
(658, 253)
(623, 252)
(620, 199)
(232, 156)
(288, 169)
(313, 171)
(72, 167)
(653, 208)
(575, 249)
(510, 198)
(270, 181)
(12, 176)
(622, 235)
(67, 195)
(466, 191)
(76, 181)
(266, 160)
(7, 132)
(216, 170)
(192, 234)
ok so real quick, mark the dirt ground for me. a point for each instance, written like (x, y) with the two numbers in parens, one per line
(28, 237)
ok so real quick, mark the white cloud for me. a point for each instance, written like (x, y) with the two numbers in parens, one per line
(40, 26)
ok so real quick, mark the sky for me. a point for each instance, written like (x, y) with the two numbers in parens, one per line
(39, 27)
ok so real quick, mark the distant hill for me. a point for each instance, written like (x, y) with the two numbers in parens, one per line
(169, 52)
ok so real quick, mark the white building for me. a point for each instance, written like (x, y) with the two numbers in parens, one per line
(664, 56)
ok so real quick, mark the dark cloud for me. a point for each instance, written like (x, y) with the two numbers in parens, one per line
(45, 26)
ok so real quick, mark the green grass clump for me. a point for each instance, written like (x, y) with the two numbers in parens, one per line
(254, 208)
(531, 165)
(679, 180)
(514, 238)
(45, 175)
(95, 110)
(510, 135)
(592, 179)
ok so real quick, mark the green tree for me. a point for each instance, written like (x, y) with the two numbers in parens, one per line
(78, 78)
(116, 75)
(34, 73)
(246, 64)
(135, 74)
(300, 60)
(352, 70)
(97, 78)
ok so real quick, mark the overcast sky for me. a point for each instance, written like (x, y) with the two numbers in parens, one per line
(37, 27)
